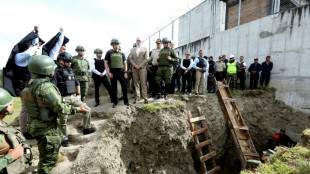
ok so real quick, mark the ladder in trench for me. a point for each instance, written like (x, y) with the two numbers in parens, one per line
(199, 145)
(238, 128)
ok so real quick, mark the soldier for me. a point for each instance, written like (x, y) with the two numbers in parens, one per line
(69, 88)
(99, 75)
(80, 67)
(138, 57)
(154, 66)
(165, 59)
(232, 69)
(44, 103)
(12, 142)
(116, 67)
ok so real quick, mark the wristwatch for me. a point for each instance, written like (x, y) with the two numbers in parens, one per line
(78, 93)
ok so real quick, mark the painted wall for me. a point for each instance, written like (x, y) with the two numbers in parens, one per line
(284, 36)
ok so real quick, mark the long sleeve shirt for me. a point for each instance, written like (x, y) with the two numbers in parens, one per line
(55, 50)
(255, 67)
(266, 68)
(93, 67)
(22, 59)
(189, 67)
(7, 159)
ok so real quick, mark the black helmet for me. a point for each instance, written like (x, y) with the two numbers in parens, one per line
(64, 56)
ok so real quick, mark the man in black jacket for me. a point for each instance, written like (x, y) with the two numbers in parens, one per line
(254, 70)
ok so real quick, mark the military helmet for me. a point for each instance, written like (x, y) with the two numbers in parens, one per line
(64, 56)
(41, 64)
(5, 99)
(114, 41)
(80, 48)
(98, 50)
(134, 45)
(166, 40)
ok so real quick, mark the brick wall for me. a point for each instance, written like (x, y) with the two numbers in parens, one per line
(250, 10)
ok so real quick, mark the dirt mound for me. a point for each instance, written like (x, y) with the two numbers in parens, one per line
(156, 138)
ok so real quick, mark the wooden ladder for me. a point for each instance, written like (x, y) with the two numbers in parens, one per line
(237, 126)
(199, 145)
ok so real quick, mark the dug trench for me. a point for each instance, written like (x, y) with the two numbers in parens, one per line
(156, 138)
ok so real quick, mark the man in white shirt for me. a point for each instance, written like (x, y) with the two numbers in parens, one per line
(99, 75)
(186, 66)
(201, 66)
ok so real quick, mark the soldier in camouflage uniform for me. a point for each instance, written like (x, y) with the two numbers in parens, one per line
(165, 59)
(7, 155)
(80, 67)
(44, 104)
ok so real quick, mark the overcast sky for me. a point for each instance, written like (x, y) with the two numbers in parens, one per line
(91, 23)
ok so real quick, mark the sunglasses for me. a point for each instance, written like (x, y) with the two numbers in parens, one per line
(68, 61)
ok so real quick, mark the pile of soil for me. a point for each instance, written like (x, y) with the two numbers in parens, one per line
(134, 140)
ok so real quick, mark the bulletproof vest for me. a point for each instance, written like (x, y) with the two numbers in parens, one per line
(21, 76)
(34, 110)
(99, 65)
(186, 62)
(80, 68)
(116, 59)
(163, 57)
(66, 83)
(241, 65)
(14, 137)
(231, 67)
(201, 63)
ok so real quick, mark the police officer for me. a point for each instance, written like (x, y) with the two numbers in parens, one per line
(69, 88)
(254, 70)
(165, 59)
(116, 67)
(99, 75)
(80, 67)
(153, 67)
(232, 69)
(11, 139)
(44, 103)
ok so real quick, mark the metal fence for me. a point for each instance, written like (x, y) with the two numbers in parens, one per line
(238, 12)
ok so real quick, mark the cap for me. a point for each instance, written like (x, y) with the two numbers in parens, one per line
(158, 41)
(232, 56)
(276, 136)
(224, 55)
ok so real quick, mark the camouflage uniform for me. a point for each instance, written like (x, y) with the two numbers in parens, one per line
(165, 68)
(44, 103)
(6, 159)
(80, 67)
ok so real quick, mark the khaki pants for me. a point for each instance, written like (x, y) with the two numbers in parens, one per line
(23, 115)
(200, 79)
(71, 100)
(139, 76)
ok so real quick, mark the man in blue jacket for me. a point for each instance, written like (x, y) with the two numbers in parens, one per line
(266, 69)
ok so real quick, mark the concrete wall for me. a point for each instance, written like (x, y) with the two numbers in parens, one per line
(198, 22)
(284, 36)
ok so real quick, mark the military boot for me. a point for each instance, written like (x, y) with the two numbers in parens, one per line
(89, 131)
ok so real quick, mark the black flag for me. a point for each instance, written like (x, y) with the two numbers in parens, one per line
(51, 43)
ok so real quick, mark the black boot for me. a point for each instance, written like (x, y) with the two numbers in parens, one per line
(65, 143)
(89, 131)
(96, 104)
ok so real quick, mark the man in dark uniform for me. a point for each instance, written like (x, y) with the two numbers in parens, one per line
(154, 66)
(254, 70)
(193, 71)
(266, 69)
(176, 71)
(69, 87)
(241, 72)
(99, 75)
(212, 70)
(116, 67)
